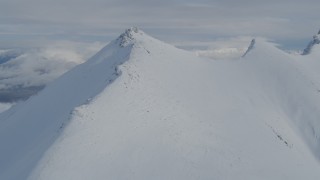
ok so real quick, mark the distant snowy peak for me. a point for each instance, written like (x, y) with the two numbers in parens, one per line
(315, 41)
(251, 46)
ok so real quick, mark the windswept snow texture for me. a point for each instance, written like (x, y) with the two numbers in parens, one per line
(142, 109)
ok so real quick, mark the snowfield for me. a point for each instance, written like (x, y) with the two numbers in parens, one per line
(143, 109)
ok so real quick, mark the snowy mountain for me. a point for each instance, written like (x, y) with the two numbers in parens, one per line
(143, 109)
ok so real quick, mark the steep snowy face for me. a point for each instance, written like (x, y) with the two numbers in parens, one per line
(298, 97)
(27, 130)
(315, 41)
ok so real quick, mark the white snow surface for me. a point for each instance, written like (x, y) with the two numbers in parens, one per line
(143, 109)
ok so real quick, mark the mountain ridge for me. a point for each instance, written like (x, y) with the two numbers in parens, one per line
(141, 109)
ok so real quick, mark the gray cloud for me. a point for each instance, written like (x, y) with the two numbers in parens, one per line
(24, 73)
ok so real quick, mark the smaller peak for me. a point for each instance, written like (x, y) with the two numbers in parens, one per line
(313, 42)
(251, 46)
(129, 36)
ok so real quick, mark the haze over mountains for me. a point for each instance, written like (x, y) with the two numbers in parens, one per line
(24, 72)
(143, 109)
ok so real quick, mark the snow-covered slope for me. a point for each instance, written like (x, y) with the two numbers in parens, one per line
(142, 109)
(28, 129)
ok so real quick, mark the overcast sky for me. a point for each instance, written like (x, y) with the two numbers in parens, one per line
(33, 22)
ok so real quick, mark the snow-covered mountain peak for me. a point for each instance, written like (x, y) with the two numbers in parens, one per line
(133, 41)
(129, 36)
(312, 43)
